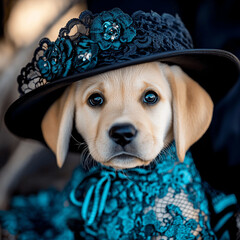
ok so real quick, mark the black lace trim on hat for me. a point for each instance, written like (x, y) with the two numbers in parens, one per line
(92, 41)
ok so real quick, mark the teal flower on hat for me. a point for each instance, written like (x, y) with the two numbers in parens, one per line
(56, 60)
(86, 52)
(111, 29)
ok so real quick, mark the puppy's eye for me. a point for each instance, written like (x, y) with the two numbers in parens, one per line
(150, 97)
(96, 99)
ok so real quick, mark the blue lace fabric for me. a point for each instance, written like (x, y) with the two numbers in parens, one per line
(165, 200)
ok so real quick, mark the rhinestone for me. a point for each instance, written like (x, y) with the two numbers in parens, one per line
(111, 31)
(85, 56)
(88, 55)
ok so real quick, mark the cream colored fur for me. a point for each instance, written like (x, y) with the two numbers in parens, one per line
(183, 113)
(192, 109)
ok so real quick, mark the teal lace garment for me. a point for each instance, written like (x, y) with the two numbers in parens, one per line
(165, 200)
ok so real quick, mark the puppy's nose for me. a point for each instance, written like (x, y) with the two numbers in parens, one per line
(122, 134)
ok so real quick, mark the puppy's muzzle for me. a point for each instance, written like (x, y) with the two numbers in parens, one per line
(122, 134)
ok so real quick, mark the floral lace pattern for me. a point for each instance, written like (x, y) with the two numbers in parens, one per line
(140, 203)
(42, 216)
(110, 37)
(122, 204)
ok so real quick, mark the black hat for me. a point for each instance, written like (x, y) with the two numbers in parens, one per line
(97, 43)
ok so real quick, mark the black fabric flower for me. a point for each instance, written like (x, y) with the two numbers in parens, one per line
(157, 33)
(111, 29)
(56, 60)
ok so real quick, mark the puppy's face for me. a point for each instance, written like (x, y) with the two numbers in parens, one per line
(125, 116)
(128, 116)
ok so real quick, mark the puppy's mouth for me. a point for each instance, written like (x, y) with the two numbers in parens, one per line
(125, 160)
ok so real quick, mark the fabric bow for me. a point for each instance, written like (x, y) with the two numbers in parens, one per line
(91, 194)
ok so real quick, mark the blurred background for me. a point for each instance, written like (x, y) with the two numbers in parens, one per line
(212, 24)
(23, 24)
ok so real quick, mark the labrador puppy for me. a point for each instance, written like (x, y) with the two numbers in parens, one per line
(129, 115)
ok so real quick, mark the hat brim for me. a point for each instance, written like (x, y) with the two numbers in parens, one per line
(215, 70)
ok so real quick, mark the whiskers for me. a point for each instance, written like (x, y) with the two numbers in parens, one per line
(166, 151)
(85, 157)
(124, 172)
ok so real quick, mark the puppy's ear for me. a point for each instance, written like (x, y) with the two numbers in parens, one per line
(192, 109)
(57, 124)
